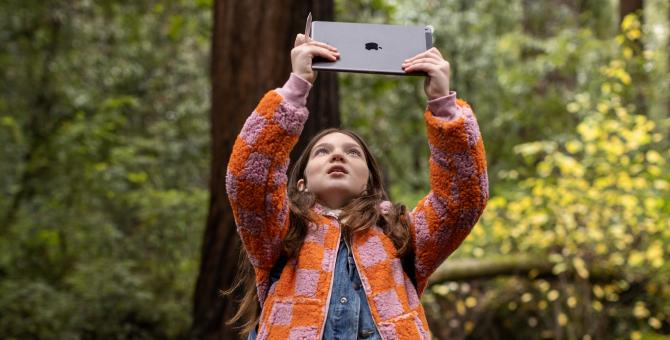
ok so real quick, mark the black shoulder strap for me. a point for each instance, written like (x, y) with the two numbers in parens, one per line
(278, 267)
(408, 266)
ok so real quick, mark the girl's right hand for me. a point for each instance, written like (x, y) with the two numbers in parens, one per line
(304, 50)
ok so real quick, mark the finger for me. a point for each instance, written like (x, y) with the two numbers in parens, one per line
(428, 53)
(318, 51)
(421, 61)
(299, 40)
(423, 66)
(435, 51)
(423, 54)
(431, 60)
(321, 44)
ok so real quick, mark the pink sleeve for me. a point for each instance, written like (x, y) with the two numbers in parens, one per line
(295, 90)
(445, 107)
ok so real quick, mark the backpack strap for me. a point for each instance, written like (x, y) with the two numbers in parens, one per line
(277, 269)
(407, 262)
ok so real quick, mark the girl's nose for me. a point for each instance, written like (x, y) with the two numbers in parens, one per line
(337, 156)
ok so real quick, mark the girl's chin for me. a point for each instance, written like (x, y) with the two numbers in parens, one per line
(339, 190)
(336, 194)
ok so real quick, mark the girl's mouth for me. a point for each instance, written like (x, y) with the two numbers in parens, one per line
(337, 169)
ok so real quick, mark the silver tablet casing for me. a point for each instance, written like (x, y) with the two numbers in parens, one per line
(371, 48)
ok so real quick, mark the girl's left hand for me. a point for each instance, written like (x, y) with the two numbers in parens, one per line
(438, 70)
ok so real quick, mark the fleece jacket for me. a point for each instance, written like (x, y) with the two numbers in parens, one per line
(296, 305)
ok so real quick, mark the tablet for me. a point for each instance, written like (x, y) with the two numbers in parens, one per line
(370, 48)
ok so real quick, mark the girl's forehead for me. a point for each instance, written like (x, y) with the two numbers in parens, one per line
(336, 138)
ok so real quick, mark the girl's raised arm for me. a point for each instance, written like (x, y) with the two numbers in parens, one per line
(256, 178)
(458, 178)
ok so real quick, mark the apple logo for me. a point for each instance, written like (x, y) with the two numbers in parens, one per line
(372, 46)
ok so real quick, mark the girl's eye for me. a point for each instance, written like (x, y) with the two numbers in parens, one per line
(355, 152)
(319, 151)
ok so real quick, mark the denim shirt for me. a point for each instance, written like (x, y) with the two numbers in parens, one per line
(349, 315)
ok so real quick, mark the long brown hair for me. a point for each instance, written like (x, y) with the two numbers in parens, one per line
(360, 214)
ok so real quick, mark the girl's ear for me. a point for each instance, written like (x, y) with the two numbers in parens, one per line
(301, 185)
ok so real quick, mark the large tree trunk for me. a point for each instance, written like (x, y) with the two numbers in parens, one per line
(250, 54)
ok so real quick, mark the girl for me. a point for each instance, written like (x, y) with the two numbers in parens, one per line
(332, 257)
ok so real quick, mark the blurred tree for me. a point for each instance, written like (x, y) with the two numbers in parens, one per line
(250, 54)
(104, 154)
(630, 6)
(42, 118)
(633, 28)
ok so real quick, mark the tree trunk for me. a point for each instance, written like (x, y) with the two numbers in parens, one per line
(629, 6)
(251, 46)
(638, 74)
(41, 122)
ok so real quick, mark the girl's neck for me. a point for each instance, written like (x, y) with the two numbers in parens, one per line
(327, 210)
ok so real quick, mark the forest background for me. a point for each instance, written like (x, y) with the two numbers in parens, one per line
(106, 164)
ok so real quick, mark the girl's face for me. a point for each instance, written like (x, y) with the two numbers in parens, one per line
(336, 171)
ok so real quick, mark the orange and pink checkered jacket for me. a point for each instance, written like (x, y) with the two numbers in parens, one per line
(295, 306)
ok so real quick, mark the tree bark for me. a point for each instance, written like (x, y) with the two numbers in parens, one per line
(251, 46)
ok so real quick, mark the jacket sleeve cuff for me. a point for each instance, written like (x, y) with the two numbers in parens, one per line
(295, 90)
(445, 107)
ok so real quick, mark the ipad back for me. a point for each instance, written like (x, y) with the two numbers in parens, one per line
(370, 48)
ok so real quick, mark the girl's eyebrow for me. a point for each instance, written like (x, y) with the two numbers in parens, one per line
(330, 146)
(322, 144)
(349, 145)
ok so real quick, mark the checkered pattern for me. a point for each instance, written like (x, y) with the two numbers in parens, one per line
(459, 183)
(295, 307)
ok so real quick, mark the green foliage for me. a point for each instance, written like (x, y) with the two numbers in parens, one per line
(105, 153)
(598, 208)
